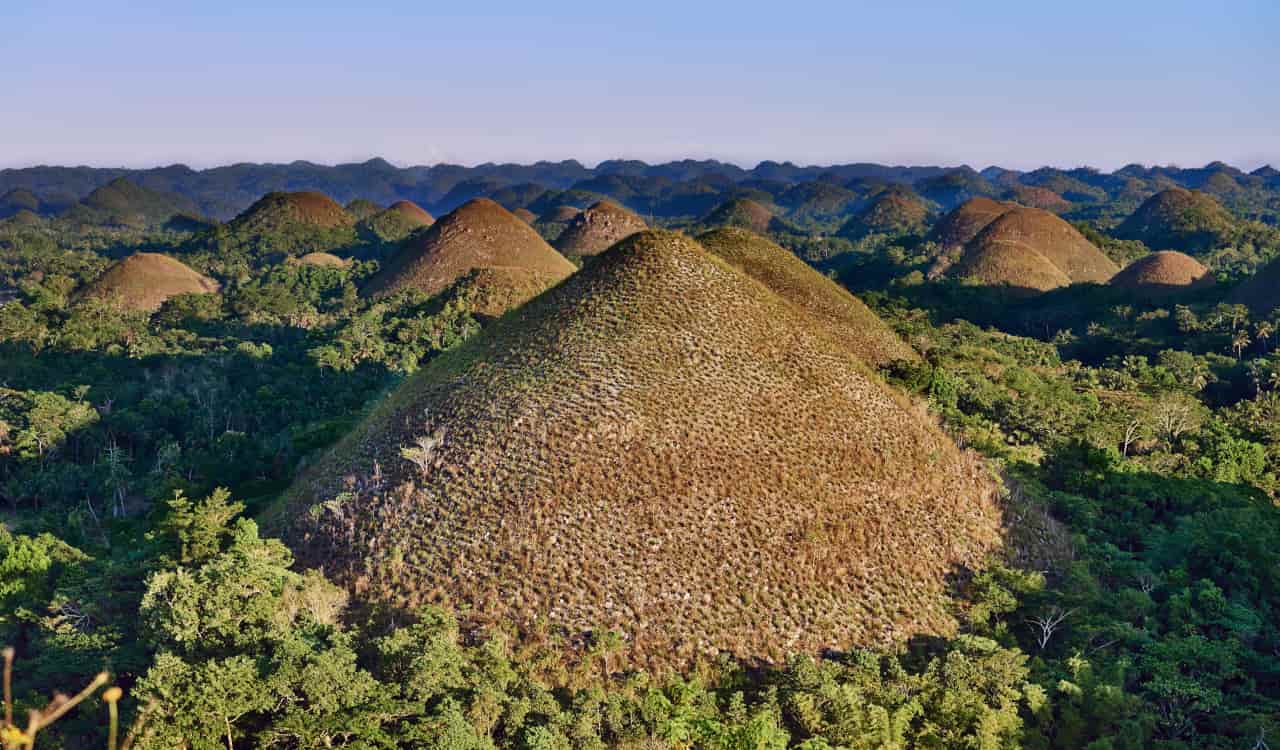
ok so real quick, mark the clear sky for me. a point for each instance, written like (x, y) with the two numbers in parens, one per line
(143, 83)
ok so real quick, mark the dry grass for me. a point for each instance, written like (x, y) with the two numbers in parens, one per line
(961, 225)
(490, 292)
(275, 210)
(478, 234)
(143, 281)
(596, 229)
(1163, 273)
(1038, 197)
(843, 316)
(893, 212)
(1032, 249)
(663, 447)
(741, 212)
(322, 259)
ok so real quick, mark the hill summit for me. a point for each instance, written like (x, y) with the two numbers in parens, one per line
(594, 230)
(742, 212)
(122, 203)
(1179, 219)
(143, 281)
(663, 447)
(1032, 249)
(895, 211)
(273, 211)
(480, 234)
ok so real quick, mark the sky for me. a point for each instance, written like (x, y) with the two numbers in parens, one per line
(1023, 84)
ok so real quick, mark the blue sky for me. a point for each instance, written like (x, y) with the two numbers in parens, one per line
(1017, 84)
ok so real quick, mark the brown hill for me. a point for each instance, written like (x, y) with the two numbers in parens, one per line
(323, 259)
(662, 447)
(741, 212)
(413, 213)
(525, 215)
(1038, 197)
(1008, 265)
(560, 215)
(273, 211)
(1179, 219)
(596, 229)
(397, 221)
(1165, 272)
(991, 256)
(843, 316)
(478, 234)
(894, 212)
(143, 281)
(958, 227)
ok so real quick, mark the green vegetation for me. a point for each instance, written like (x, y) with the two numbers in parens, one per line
(1132, 603)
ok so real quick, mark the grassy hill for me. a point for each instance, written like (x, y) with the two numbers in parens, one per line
(1162, 273)
(597, 228)
(1178, 219)
(660, 446)
(143, 281)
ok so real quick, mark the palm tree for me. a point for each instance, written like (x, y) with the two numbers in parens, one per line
(1239, 341)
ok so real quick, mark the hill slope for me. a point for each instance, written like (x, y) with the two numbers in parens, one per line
(744, 213)
(663, 447)
(894, 212)
(122, 203)
(143, 281)
(596, 229)
(844, 316)
(959, 226)
(478, 234)
(1013, 250)
(275, 211)
(1178, 219)
(1161, 273)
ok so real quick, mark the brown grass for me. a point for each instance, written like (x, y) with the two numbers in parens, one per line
(143, 281)
(663, 447)
(323, 259)
(1161, 273)
(1038, 197)
(309, 208)
(741, 212)
(412, 213)
(844, 316)
(1039, 236)
(963, 223)
(596, 229)
(478, 234)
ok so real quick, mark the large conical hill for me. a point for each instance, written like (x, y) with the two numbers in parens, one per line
(663, 447)
(480, 234)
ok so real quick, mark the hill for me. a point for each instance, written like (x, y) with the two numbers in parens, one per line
(361, 208)
(525, 215)
(843, 316)
(397, 221)
(479, 234)
(559, 215)
(124, 204)
(1162, 273)
(742, 212)
(596, 229)
(275, 211)
(1042, 236)
(322, 259)
(1037, 197)
(1179, 219)
(893, 212)
(143, 281)
(663, 447)
(959, 226)
(17, 200)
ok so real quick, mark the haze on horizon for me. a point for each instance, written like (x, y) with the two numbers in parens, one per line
(1014, 84)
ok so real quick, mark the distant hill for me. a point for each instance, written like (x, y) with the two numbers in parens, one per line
(362, 209)
(19, 199)
(1163, 273)
(894, 212)
(274, 211)
(953, 188)
(143, 281)
(1037, 197)
(397, 221)
(123, 204)
(662, 447)
(1178, 219)
(745, 213)
(959, 226)
(597, 228)
(1260, 292)
(480, 234)
(1028, 248)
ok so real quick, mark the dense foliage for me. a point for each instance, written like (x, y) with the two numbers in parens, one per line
(1140, 442)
